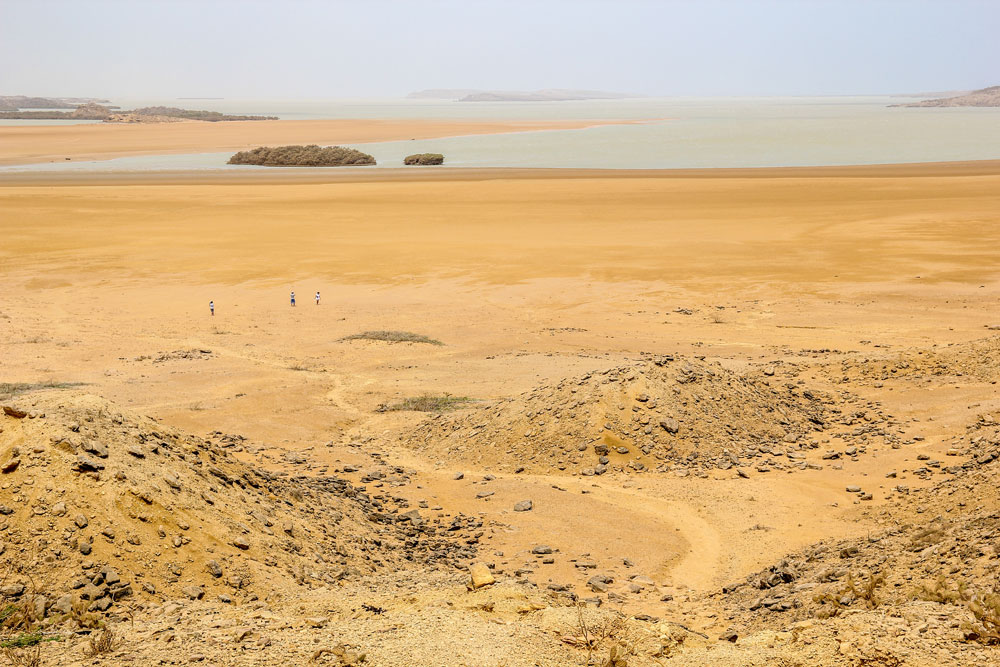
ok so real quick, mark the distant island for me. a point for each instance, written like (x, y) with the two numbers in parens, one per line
(547, 95)
(19, 102)
(111, 114)
(303, 156)
(442, 93)
(984, 97)
(424, 159)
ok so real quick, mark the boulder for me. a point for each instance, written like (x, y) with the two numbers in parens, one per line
(479, 576)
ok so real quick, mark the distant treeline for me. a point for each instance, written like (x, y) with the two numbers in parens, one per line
(303, 156)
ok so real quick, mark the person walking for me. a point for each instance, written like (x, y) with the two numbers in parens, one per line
(211, 307)
(317, 297)
(293, 299)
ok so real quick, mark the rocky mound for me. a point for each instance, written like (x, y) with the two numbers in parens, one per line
(663, 413)
(303, 156)
(97, 505)
(976, 360)
(934, 570)
(424, 159)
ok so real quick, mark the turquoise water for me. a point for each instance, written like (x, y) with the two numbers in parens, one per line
(697, 133)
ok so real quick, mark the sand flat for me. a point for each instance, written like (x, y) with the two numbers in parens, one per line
(509, 226)
(102, 141)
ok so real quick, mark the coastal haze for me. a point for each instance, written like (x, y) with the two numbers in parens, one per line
(687, 353)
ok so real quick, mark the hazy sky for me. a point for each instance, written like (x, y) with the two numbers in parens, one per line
(300, 48)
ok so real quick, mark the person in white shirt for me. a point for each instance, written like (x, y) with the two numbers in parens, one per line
(293, 299)
(211, 307)
(317, 298)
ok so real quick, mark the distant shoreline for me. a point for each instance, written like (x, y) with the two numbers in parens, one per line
(33, 144)
(347, 175)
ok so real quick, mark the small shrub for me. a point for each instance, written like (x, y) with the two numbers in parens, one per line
(424, 159)
(393, 337)
(23, 657)
(986, 611)
(104, 643)
(940, 593)
(866, 592)
(426, 403)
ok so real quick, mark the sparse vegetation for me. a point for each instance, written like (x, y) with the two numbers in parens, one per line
(194, 114)
(833, 602)
(426, 403)
(9, 389)
(303, 156)
(23, 657)
(23, 640)
(940, 593)
(424, 159)
(101, 644)
(393, 337)
(986, 612)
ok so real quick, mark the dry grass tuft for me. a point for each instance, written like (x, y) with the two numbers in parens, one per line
(393, 337)
(986, 611)
(104, 643)
(10, 389)
(23, 657)
(940, 593)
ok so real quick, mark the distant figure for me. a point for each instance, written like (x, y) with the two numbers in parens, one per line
(293, 299)
(317, 298)
(211, 307)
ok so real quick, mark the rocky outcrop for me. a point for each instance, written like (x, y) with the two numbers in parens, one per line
(984, 97)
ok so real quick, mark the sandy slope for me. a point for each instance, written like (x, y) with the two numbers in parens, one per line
(527, 280)
(101, 141)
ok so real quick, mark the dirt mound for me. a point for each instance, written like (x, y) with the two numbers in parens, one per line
(935, 569)
(97, 505)
(975, 360)
(661, 413)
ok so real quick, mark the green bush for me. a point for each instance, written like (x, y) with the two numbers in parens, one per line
(302, 156)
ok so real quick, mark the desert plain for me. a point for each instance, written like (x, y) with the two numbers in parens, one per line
(755, 413)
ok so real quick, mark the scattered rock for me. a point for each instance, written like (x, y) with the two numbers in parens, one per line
(480, 575)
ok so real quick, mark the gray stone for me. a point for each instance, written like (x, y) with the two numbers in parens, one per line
(100, 604)
(12, 590)
(670, 425)
(64, 605)
(523, 506)
(194, 592)
(85, 463)
(95, 448)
